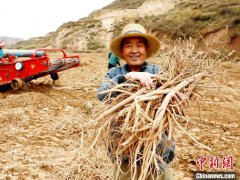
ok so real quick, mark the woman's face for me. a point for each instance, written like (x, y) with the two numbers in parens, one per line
(134, 51)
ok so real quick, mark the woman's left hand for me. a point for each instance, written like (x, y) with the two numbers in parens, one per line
(179, 102)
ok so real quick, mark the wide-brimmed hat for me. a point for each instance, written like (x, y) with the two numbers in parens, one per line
(1, 43)
(135, 30)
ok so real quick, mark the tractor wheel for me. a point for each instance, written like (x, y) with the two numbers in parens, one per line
(17, 84)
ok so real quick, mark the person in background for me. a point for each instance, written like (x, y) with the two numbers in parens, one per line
(113, 60)
(135, 46)
(1, 47)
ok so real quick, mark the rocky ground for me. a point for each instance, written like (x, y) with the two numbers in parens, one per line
(41, 126)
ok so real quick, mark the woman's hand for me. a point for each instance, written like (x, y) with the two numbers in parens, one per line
(144, 77)
(179, 102)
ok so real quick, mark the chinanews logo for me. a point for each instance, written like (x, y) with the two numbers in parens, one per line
(218, 168)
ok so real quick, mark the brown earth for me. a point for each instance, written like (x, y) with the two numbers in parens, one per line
(41, 126)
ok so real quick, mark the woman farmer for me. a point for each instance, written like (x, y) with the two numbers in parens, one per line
(135, 46)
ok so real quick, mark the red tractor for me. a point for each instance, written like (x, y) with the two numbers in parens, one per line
(16, 69)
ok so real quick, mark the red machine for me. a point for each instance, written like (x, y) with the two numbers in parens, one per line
(17, 71)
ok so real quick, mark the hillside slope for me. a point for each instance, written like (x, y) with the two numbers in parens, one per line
(96, 31)
(175, 18)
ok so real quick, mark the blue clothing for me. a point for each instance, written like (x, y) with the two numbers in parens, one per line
(1, 53)
(116, 75)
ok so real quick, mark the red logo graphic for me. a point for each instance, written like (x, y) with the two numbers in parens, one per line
(215, 162)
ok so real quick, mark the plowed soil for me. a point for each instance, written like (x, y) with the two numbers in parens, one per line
(41, 125)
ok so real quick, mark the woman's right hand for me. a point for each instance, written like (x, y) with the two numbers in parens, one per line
(144, 77)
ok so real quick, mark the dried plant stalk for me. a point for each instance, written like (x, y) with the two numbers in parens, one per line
(135, 134)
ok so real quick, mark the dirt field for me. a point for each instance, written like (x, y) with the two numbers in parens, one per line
(40, 126)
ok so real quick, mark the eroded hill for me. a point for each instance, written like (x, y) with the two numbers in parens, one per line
(171, 18)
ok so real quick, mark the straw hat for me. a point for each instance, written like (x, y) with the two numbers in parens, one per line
(135, 30)
(1, 43)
